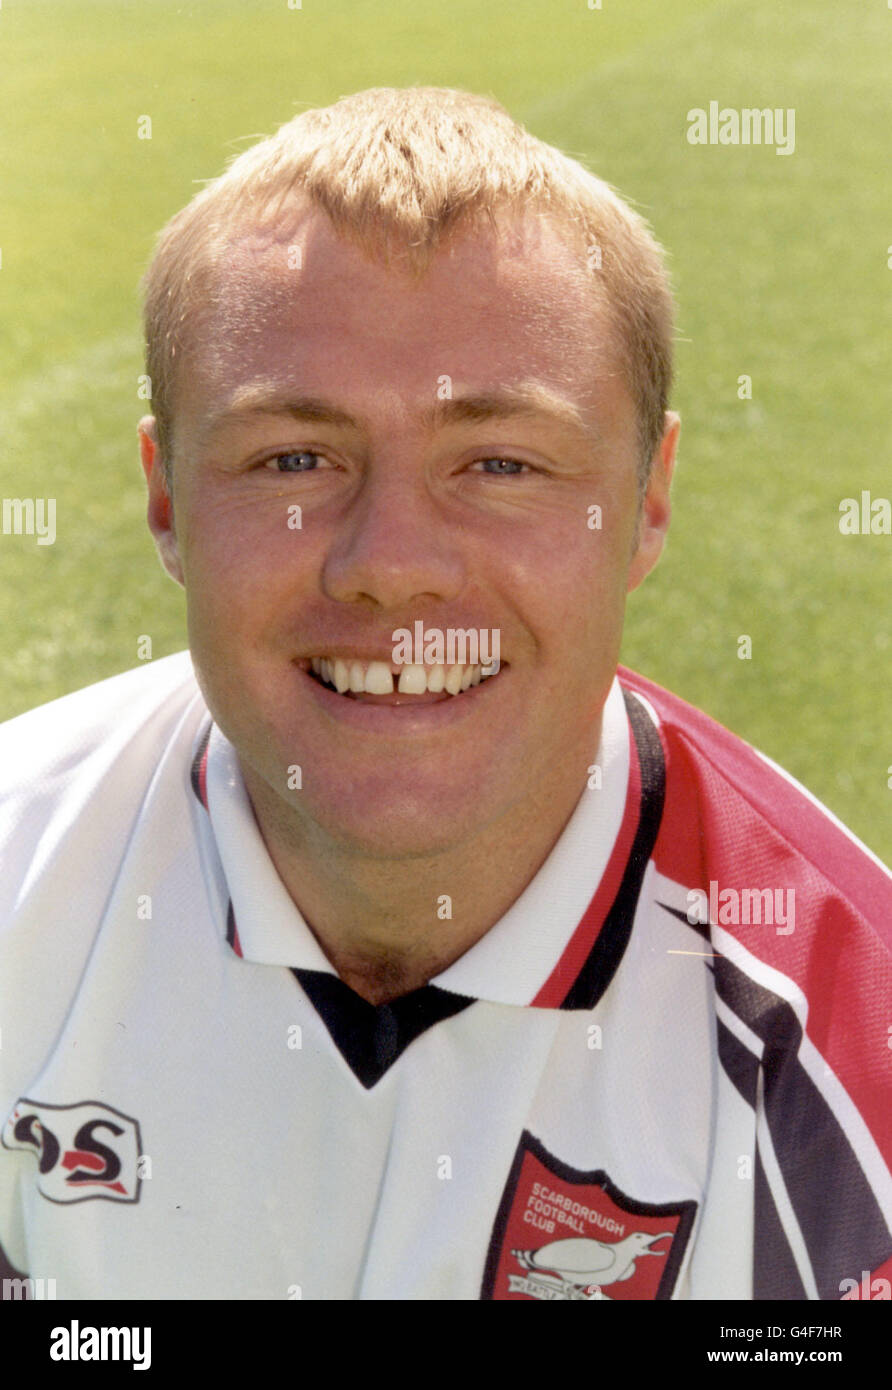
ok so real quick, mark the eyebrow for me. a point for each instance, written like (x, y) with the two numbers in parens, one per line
(507, 402)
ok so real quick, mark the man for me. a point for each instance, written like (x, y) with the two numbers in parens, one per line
(406, 949)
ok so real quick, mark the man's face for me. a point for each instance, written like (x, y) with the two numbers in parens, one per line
(380, 406)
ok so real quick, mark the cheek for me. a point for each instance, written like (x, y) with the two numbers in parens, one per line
(572, 574)
(242, 560)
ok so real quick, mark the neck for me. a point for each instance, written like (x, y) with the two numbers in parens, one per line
(388, 925)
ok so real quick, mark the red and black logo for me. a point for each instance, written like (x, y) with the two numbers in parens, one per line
(564, 1234)
(83, 1151)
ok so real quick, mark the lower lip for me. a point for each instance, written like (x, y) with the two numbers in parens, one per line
(406, 718)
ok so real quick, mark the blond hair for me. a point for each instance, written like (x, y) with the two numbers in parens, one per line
(396, 170)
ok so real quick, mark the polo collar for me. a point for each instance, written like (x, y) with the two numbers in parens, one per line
(560, 942)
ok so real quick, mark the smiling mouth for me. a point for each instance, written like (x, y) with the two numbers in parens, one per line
(380, 682)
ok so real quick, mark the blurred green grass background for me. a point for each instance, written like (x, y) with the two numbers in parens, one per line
(780, 264)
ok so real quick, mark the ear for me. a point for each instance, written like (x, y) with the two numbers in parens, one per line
(160, 509)
(653, 522)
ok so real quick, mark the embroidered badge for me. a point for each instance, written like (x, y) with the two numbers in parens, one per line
(84, 1150)
(564, 1234)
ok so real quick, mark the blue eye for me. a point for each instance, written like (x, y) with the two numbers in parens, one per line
(301, 461)
(504, 468)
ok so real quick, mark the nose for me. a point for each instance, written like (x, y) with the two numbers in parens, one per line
(395, 547)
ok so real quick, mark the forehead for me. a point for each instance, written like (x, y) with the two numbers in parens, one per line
(512, 306)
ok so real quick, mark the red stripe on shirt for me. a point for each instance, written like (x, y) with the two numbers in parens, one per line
(203, 778)
(578, 948)
(732, 820)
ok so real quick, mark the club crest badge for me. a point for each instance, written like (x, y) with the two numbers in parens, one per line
(82, 1151)
(564, 1234)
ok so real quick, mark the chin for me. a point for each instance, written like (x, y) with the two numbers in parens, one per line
(394, 825)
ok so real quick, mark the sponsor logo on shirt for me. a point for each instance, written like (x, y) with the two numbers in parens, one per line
(565, 1234)
(83, 1151)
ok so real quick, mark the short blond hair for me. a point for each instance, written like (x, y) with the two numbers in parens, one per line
(396, 170)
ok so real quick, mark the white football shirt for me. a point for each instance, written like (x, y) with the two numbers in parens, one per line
(608, 1097)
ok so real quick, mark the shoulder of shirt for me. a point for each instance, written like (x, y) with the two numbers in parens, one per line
(68, 729)
(746, 803)
(103, 741)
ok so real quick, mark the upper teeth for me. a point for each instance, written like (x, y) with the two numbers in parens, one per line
(376, 677)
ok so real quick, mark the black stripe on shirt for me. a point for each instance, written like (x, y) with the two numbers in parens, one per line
(841, 1221)
(195, 769)
(740, 1065)
(775, 1275)
(607, 951)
